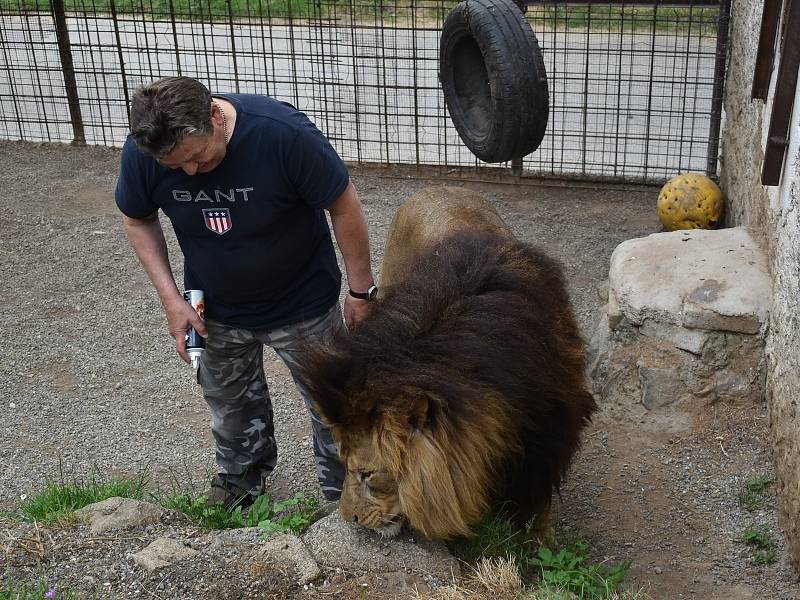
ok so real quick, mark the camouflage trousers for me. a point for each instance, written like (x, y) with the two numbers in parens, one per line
(231, 374)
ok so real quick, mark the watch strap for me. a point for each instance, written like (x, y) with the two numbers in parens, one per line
(368, 295)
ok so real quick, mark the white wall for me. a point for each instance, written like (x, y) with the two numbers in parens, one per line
(773, 213)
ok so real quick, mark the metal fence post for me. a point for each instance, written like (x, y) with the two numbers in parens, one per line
(718, 95)
(516, 163)
(233, 43)
(68, 69)
(121, 58)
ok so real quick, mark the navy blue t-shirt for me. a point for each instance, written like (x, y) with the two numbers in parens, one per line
(253, 231)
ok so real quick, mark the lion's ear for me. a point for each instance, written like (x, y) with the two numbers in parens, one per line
(329, 377)
(422, 410)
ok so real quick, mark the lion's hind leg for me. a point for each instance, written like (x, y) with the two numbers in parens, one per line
(529, 527)
(539, 528)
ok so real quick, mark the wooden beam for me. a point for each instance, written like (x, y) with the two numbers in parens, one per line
(765, 56)
(785, 86)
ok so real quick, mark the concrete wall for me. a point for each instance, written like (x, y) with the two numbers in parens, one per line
(741, 149)
(773, 212)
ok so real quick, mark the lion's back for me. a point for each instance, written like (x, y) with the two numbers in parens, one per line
(429, 216)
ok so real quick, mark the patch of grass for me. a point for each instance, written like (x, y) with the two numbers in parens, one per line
(761, 544)
(548, 592)
(59, 500)
(10, 590)
(293, 514)
(200, 513)
(219, 10)
(615, 18)
(568, 570)
(752, 496)
(496, 538)
(698, 20)
(57, 503)
(758, 483)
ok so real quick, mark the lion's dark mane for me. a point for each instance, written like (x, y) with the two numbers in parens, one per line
(478, 316)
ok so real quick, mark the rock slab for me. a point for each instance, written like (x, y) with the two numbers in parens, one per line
(290, 551)
(163, 552)
(123, 513)
(337, 544)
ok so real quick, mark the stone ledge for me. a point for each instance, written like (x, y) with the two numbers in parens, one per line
(697, 279)
(686, 317)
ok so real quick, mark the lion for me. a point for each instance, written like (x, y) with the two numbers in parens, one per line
(464, 389)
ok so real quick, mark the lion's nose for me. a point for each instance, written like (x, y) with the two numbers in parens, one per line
(355, 518)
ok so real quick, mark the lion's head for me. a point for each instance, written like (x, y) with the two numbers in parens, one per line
(417, 458)
(463, 388)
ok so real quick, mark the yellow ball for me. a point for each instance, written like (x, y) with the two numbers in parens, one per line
(690, 201)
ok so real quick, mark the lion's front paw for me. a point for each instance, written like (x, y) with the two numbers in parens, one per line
(392, 528)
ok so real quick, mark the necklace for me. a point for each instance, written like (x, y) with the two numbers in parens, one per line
(224, 122)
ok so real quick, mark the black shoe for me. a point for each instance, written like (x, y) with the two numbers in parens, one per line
(230, 496)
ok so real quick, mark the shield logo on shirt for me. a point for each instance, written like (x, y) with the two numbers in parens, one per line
(218, 220)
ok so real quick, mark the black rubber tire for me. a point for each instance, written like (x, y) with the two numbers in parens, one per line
(493, 78)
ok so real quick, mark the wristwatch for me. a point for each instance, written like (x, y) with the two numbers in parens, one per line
(370, 294)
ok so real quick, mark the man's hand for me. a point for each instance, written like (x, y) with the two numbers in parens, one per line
(355, 310)
(147, 239)
(180, 317)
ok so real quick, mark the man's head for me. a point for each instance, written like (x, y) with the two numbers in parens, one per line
(176, 120)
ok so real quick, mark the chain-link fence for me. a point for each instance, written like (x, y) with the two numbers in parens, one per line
(635, 89)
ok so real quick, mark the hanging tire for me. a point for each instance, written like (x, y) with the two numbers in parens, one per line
(493, 78)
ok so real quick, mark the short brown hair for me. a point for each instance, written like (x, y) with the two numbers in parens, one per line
(164, 112)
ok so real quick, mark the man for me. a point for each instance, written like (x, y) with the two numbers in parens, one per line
(245, 181)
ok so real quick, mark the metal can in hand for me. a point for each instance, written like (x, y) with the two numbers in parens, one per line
(194, 341)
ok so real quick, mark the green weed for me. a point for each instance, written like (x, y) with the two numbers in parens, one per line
(761, 544)
(496, 537)
(200, 513)
(10, 590)
(758, 483)
(751, 497)
(569, 569)
(293, 514)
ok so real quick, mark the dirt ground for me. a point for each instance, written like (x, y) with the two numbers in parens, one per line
(89, 381)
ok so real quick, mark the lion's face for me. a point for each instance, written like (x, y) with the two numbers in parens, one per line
(370, 492)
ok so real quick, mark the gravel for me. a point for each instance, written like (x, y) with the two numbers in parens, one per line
(90, 382)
